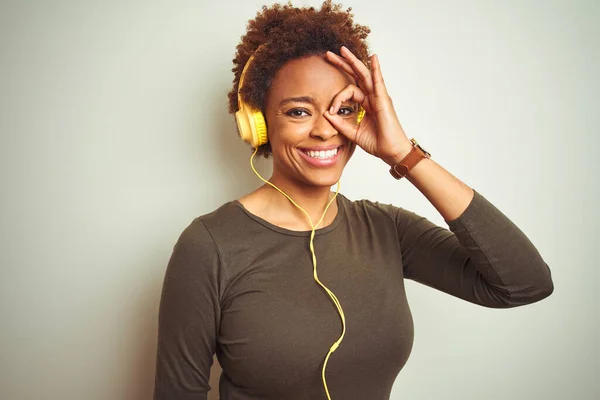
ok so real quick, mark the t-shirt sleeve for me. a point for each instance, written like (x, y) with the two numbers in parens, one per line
(483, 258)
(189, 316)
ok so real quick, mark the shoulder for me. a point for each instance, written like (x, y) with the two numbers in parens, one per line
(372, 209)
(228, 215)
(380, 214)
(227, 229)
(201, 230)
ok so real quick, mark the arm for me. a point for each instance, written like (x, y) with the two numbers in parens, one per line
(189, 317)
(486, 259)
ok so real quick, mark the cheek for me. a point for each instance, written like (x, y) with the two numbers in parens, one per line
(287, 134)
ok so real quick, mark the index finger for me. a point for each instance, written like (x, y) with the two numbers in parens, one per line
(341, 63)
(359, 68)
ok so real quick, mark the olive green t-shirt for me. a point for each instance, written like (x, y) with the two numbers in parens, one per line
(243, 288)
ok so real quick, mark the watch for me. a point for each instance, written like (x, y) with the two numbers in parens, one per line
(417, 153)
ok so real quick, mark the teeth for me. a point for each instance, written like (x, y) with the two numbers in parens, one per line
(323, 155)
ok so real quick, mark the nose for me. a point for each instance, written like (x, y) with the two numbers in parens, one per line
(322, 129)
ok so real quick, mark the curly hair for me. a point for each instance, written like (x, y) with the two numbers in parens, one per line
(284, 33)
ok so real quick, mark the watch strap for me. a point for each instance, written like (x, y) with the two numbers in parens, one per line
(416, 154)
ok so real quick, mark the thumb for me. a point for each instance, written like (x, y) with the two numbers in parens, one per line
(342, 125)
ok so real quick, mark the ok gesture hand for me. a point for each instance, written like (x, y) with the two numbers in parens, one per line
(380, 132)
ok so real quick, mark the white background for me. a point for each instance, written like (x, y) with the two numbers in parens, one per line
(115, 135)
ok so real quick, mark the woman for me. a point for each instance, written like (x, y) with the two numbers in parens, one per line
(242, 281)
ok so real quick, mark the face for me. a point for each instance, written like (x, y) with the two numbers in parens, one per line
(307, 149)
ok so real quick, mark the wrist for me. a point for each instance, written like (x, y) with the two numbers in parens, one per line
(399, 155)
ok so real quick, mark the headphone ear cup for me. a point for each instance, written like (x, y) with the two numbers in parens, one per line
(261, 128)
(360, 115)
(251, 125)
(243, 124)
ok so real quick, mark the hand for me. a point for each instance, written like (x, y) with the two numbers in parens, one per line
(380, 132)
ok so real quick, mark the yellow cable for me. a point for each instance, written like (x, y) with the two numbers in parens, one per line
(314, 260)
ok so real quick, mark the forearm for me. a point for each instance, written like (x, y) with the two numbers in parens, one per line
(448, 194)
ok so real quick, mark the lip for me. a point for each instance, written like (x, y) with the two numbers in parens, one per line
(315, 162)
(321, 148)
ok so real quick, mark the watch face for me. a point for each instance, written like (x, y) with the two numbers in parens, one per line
(417, 145)
(424, 151)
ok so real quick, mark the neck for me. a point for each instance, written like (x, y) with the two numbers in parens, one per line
(313, 199)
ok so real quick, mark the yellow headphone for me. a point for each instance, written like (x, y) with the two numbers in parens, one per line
(253, 129)
(251, 121)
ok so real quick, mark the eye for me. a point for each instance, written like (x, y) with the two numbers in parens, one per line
(297, 112)
(345, 111)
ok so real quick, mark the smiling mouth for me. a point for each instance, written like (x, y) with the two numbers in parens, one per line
(322, 154)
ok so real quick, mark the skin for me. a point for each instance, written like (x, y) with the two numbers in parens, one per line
(335, 84)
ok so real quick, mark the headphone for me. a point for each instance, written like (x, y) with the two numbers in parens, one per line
(251, 121)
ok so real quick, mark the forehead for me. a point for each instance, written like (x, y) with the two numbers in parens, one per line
(309, 76)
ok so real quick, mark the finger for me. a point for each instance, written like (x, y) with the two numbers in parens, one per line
(343, 126)
(349, 93)
(378, 83)
(360, 69)
(341, 63)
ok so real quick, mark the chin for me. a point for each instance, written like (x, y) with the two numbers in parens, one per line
(322, 179)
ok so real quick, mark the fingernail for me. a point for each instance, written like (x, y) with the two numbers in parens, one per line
(331, 110)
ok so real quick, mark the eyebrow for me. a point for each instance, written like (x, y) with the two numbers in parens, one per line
(300, 99)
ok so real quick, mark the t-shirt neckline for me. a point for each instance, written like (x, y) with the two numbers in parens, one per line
(319, 231)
